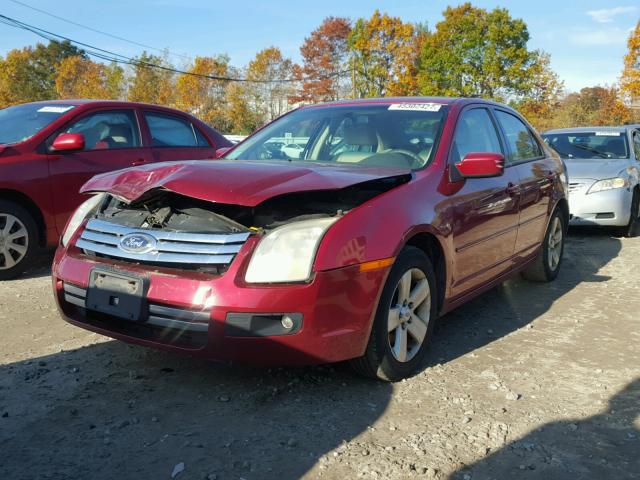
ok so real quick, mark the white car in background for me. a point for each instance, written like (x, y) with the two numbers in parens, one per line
(603, 166)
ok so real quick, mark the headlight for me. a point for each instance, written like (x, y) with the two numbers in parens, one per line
(609, 184)
(79, 215)
(286, 254)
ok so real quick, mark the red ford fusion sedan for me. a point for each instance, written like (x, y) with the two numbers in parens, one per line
(386, 214)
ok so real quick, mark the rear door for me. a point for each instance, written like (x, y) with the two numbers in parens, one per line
(485, 210)
(536, 173)
(112, 142)
(173, 137)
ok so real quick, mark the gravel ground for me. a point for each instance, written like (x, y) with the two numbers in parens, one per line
(527, 381)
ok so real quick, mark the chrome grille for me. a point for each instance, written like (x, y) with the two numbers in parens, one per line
(171, 247)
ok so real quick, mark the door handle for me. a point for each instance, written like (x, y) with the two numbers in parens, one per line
(513, 189)
(139, 161)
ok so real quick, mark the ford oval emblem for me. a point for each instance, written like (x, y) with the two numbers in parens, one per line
(138, 243)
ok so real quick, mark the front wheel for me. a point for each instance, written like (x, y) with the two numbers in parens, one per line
(18, 239)
(546, 266)
(630, 230)
(404, 319)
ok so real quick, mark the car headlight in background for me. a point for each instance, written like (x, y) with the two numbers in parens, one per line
(286, 254)
(79, 215)
(609, 184)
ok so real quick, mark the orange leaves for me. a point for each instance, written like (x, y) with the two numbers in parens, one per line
(630, 80)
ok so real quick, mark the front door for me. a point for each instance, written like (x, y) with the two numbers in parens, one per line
(536, 174)
(112, 142)
(485, 210)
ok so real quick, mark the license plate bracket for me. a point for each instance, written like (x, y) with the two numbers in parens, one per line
(117, 294)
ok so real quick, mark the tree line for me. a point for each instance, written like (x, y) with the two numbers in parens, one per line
(471, 52)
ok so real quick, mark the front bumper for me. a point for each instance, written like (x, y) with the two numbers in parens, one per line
(606, 208)
(336, 309)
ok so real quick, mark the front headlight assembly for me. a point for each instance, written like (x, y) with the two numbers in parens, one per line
(609, 184)
(79, 215)
(286, 254)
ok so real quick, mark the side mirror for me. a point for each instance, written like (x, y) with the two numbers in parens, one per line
(221, 151)
(481, 165)
(68, 142)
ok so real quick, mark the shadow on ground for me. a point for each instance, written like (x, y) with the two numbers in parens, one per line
(604, 446)
(517, 302)
(110, 410)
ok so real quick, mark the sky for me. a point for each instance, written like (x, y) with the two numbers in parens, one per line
(586, 39)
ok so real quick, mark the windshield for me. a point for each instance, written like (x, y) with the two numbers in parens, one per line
(21, 122)
(605, 144)
(397, 135)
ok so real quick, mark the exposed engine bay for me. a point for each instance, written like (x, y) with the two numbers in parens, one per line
(167, 210)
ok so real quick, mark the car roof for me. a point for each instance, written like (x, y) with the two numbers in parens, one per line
(622, 128)
(389, 100)
(100, 103)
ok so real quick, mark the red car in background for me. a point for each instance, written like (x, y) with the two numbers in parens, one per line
(392, 212)
(48, 150)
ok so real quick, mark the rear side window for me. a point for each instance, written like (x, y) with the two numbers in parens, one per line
(522, 145)
(106, 130)
(476, 133)
(172, 131)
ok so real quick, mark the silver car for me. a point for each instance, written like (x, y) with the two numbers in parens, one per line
(603, 166)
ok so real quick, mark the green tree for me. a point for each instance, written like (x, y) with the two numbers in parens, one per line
(630, 80)
(383, 56)
(202, 96)
(29, 74)
(477, 52)
(149, 84)
(271, 89)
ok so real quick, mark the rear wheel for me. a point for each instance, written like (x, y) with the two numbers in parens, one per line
(546, 266)
(18, 239)
(404, 319)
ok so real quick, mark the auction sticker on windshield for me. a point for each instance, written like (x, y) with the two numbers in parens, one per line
(55, 109)
(608, 134)
(419, 107)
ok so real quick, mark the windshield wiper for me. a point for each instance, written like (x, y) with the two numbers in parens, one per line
(592, 150)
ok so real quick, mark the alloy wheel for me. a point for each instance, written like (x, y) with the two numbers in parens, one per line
(554, 245)
(14, 241)
(409, 315)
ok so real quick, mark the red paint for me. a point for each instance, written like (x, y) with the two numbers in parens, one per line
(486, 229)
(67, 142)
(479, 165)
(237, 182)
(48, 182)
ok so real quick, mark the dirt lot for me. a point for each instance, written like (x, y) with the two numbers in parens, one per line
(528, 381)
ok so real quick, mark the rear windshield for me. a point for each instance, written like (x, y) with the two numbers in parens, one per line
(596, 144)
(21, 122)
(395, 136)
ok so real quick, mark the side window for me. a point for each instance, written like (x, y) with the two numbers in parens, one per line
(170, 131)
(636, 144)
(108, 130)
(201, 139)
(522, 144)
(475, 132)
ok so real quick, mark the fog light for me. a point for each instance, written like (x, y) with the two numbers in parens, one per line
(287, 322)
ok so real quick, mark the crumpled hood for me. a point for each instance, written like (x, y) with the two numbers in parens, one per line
(236, 182)
(595, 169)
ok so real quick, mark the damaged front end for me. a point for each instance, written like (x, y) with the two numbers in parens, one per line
(166, 229)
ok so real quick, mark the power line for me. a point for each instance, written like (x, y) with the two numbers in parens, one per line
(122, 59)
(99, 31)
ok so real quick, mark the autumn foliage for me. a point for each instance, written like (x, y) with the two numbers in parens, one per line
(471, 52)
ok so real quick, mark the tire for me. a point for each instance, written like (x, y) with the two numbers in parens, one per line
(18, 239)
(546, 266)
(411, 276)
(631, 229)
